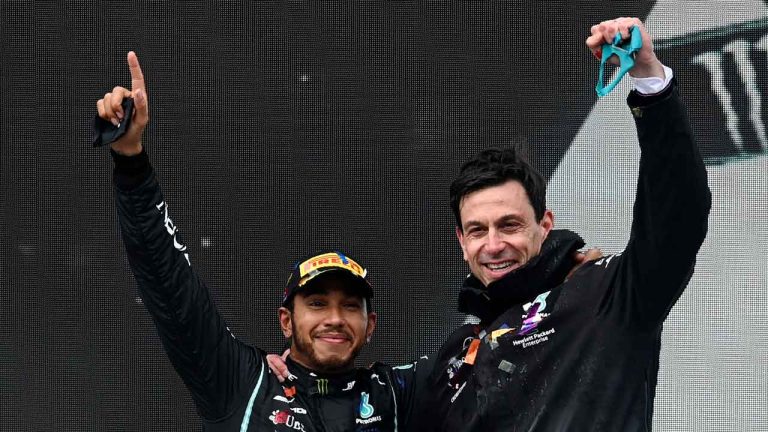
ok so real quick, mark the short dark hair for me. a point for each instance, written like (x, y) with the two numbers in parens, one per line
(493, 167)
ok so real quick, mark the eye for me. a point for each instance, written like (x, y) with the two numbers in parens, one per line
(352, 304)
(475, 231)
(511, 226)
(315, 303)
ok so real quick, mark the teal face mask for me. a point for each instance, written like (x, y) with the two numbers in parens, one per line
(625, 52)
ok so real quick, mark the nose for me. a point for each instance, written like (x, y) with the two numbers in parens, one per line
(494, 242)
(335, 316)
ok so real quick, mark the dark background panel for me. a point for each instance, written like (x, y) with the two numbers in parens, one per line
(277, 128)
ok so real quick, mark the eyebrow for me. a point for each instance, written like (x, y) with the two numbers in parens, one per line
(505, 218)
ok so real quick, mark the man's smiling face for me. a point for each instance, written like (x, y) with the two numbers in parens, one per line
(499, 232)
(329, 324)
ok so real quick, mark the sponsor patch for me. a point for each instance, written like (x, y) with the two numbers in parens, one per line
(330, 260)
(286, 418)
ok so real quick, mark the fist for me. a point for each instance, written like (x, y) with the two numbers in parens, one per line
(646, 63)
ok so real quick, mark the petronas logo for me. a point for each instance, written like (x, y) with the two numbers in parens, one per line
(322, 386)
(366, 409)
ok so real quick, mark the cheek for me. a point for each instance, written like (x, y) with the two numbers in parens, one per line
(303, 325)
(471, 248)
(359, 324)
(520, 241)
(531, 241)
(537, 235)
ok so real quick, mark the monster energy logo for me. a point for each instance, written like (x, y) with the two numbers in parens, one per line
(733, 57)
(743, 54)
(322, 386)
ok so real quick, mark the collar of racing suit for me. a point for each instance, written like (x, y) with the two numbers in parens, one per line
(308, 382)
(542, 273)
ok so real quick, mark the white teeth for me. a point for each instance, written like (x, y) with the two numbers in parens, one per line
(499, 266)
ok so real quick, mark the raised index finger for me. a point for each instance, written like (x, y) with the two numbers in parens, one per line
(137, 78)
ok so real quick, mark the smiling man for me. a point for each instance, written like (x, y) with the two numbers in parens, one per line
(326, 314)
(556, 352)
(501, 217)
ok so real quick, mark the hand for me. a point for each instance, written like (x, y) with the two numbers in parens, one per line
(277, 365)
(646, 63)
(110, 109)
(581, 258)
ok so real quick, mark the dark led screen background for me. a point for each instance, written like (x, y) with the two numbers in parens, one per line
(278, 128)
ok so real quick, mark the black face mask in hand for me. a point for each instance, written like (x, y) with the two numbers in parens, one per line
(104, 132)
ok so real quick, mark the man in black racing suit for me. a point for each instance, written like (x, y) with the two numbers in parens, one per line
(325, 314)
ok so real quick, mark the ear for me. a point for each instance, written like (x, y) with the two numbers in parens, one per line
(547, 223)
(460, 237)
(286, 318)
(371, 326)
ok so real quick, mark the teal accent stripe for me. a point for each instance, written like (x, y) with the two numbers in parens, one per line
(249, 409)
(394, 399)
(403, 367)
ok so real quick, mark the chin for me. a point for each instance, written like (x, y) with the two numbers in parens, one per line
(496, 276)
(335, 363)
(339, 359)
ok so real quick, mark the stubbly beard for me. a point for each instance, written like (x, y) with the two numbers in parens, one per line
(303, 346)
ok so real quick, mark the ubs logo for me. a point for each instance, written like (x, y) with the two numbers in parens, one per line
(286, 418)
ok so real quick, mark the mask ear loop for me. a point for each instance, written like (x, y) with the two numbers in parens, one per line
(626, 54)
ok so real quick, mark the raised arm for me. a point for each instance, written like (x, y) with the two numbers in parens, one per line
(673, 198)
(218, 370)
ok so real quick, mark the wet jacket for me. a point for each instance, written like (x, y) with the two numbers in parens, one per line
(230, 381)
(583, 354)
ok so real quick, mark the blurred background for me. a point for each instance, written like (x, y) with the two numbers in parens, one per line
(278, 128)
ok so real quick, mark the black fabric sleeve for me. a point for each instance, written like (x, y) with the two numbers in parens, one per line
(410, 386)
(131, 171)
(219, 370)
(670, 212)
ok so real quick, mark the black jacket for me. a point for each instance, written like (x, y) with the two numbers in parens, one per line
(230, 382)
(583, 354)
